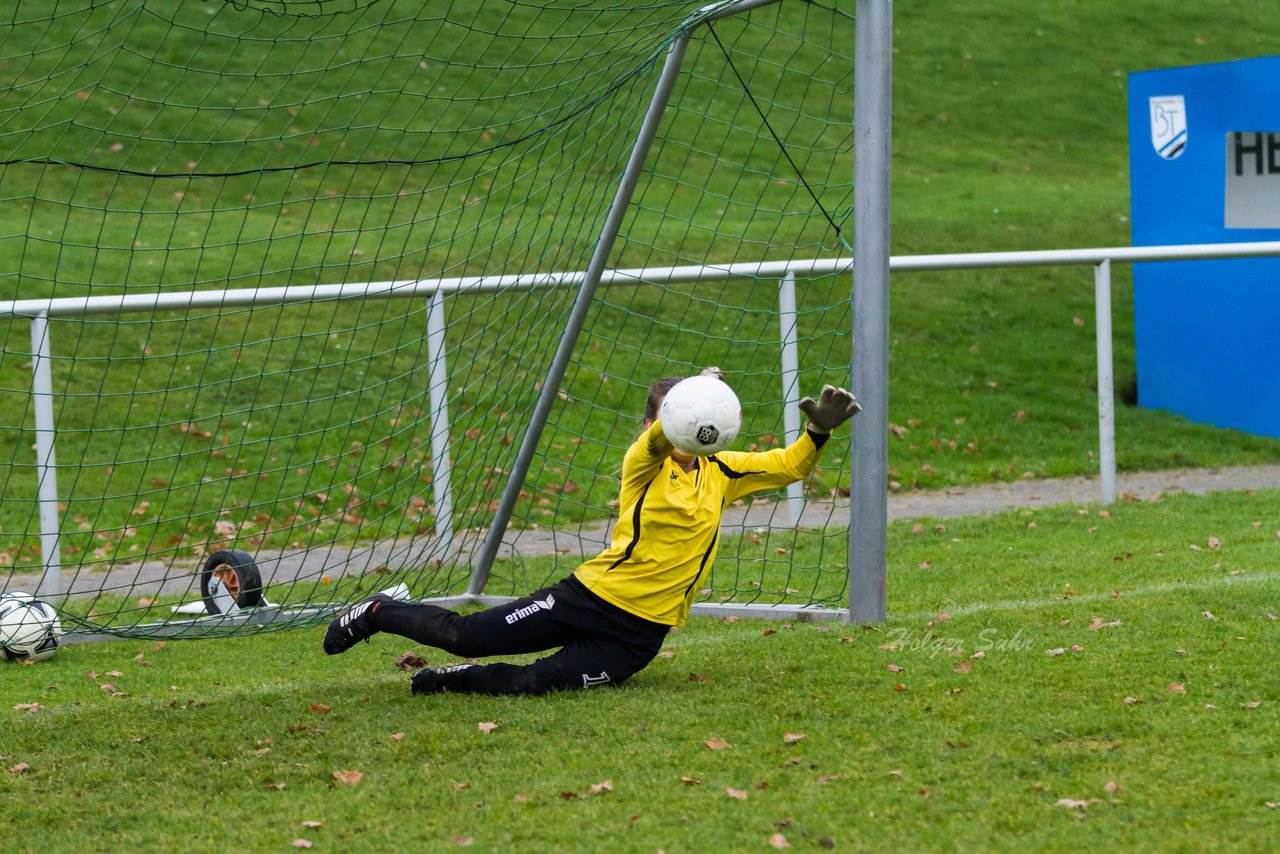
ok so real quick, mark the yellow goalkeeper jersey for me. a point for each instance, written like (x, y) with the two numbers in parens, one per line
(669, 521)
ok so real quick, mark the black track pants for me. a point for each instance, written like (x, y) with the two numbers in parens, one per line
(600, 644)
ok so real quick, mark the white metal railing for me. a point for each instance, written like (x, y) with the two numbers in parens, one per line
(434, 290)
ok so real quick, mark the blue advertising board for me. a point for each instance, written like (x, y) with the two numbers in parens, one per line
(1204, 165)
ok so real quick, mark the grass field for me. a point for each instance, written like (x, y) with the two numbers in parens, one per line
(1048, 680)
(1055, 679)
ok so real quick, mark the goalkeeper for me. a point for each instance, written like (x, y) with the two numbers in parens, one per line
(611, 615)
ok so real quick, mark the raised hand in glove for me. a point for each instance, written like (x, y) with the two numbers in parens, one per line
(832, 408)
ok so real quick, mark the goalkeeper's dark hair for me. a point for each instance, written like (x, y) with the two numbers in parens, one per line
(657, 392)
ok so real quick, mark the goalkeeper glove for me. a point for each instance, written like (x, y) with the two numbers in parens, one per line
(833, 407)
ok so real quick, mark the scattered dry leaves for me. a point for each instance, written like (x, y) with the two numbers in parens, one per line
(1072, 803)
(410, 661)
(348, 778)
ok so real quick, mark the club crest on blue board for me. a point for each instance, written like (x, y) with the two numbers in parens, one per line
(1168, 125)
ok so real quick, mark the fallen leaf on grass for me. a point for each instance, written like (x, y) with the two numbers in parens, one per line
(1098, 623)
(1252, 704)
(397, 736)
(313, 825)
(699, 677)
(1130, 701)
(1177, 688)
(462, 841)
(321, 708)
(487, 727)
(20, 768)
(301, 843)
(1114, 788)
(277, 787)
(779, 841)
(461, 787)
(963, 667)
(1072, 803)
(1273, 805)
(792, 737)
(28, 707)
(893, 668)
(691, 781)
(348, 778)
(717, 744)
(1208, 615)
(409, 661)
(1215, 543)
(736, 793)
(1055, 651)
(602, 787)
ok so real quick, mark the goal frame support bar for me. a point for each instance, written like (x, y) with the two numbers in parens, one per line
(595, 269)
(201, 626)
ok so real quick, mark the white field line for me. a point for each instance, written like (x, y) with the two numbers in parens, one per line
(1064, 599)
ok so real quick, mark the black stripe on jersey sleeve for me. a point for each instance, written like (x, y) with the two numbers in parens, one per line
(635, 529)
(732, 474)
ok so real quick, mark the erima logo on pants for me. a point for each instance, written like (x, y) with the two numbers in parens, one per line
(538, 605)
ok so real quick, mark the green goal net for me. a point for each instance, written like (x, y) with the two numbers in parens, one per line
(282, 282)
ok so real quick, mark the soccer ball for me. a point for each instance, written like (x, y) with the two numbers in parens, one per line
(701, 415)
(29, 628)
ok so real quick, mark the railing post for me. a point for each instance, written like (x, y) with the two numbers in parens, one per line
(790, 384)
(50, 586)
(438, 394)
(1106, 382)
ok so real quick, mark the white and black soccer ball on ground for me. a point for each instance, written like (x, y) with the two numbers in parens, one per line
(701, 415)
(29, 629)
